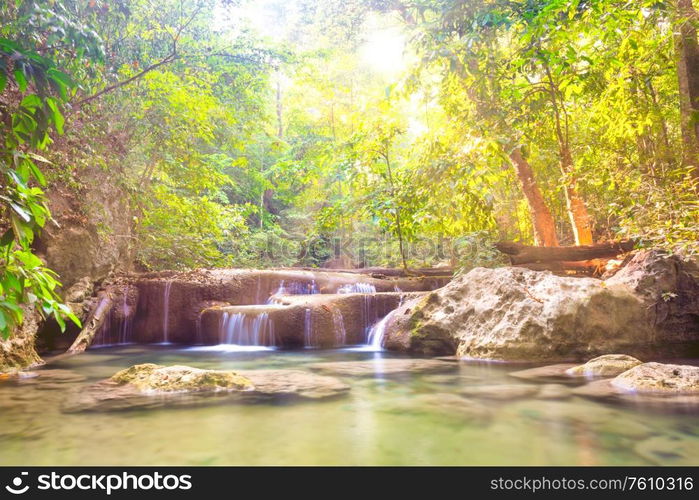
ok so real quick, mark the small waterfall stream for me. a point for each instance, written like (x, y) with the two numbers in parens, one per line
(244, 330)
(293, 288)
(339, 327)
(376, 334)
(308, 328)
(126, 320)
(357, 288)
(166, 312)
(117, 329)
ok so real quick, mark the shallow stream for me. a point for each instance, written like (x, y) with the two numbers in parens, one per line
(408, 419)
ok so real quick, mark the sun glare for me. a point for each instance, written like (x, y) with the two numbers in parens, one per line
(384, 51)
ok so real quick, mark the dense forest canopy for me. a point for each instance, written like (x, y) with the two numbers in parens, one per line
(356, 132)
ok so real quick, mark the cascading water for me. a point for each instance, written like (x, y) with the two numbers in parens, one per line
(293, 288)
(357, 288)
(199, 332)
(339, 326)
(240, 329)
(369, 312)
(308, 329)
(376, 334)
(115, 331)
(166, 312)
(126, 324)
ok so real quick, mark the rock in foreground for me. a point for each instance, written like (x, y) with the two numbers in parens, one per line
(155, 378)
(674, 387)
(659, 377)
(152, 386)
(608, 365)
(649, 308)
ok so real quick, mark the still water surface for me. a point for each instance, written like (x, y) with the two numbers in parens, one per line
(411, 419)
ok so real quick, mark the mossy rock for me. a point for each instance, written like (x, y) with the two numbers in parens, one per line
(151, 377)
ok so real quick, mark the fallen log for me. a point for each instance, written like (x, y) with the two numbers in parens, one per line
(524, 254)
(594, 267)
(390, 272)
(93, 324)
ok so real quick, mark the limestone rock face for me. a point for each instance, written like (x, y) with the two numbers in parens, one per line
(186, 296)
(608, 365)
(659, 377)
(18, 352)
(651, 307)
(78, 295)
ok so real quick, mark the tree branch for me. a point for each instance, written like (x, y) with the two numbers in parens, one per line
(117, 85)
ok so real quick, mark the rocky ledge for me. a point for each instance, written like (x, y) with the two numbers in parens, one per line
(149, 386)
(650, 307)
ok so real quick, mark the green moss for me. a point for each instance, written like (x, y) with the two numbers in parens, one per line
(152, 377)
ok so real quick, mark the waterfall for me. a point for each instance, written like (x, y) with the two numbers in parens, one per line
(166, 312)
(116, 329)
(102, 336)
(376, 334)
(339, 326)
(125, 318)
(242, 330)
(369, 312)
(200, 333)
(308, 329)
(293, 288)
(357, 288)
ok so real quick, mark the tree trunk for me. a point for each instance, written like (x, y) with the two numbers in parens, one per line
(687, 54)
(93, 325)
(577, 210)
(544, 226)
(523, 254)
(399, 227)
(280, 123)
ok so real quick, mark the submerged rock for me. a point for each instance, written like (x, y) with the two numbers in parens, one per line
(669, 450)
(554, 373)
(150, 386)
(295, 384)
(659, 377)
(554, 391)
(504, 392)
(666, 387)
(608, 365)
(650, 307)
(383, 367)
(444, 404)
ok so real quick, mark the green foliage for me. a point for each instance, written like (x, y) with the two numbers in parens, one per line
(288, 147)
(39, 87)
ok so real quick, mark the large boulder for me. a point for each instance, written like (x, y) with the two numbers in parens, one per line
(659, 377)
(663, 386)
(608, 365)
(649, 308)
